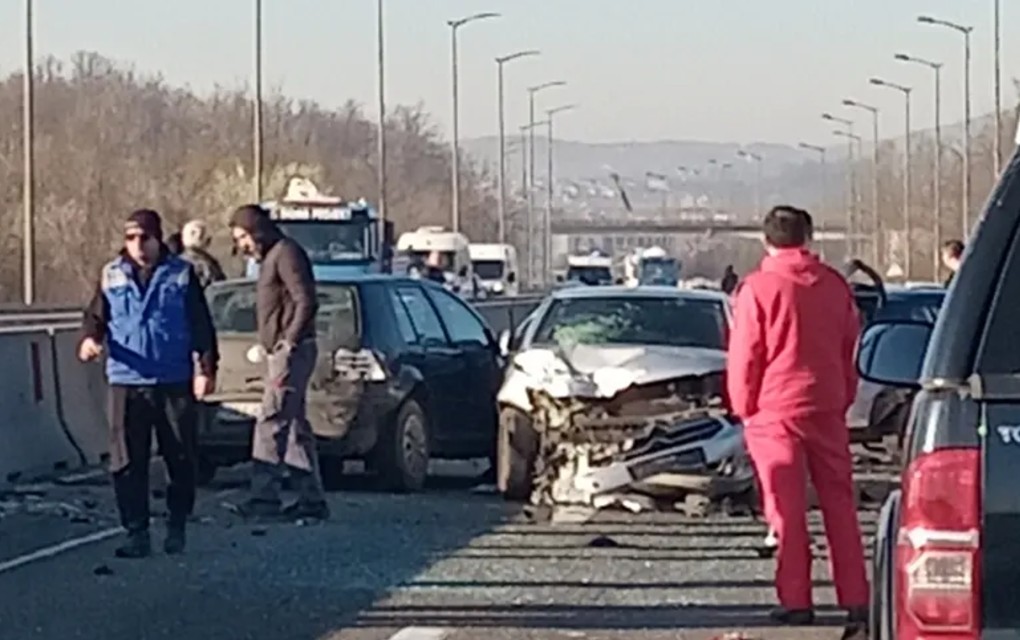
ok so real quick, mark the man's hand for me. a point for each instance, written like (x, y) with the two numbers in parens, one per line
(203, 386)
(89, 350)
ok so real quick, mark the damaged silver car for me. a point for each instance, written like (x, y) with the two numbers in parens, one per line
(615, 395)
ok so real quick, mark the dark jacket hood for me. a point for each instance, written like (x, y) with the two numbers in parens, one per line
(256, 221)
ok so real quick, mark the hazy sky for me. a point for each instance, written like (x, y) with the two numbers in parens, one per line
(724, 70)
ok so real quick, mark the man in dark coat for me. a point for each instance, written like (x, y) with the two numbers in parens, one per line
(286, 305)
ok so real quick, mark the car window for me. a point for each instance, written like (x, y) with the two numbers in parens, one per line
(404, 323)
(463, 326)
(232, 307)
(666, 321)
(426, 323)
(1001, 344)
(924, 307)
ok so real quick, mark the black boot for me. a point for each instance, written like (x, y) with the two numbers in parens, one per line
(136, 546)
(307, 511)
(793, 617)
(856, 624)
(175, 538)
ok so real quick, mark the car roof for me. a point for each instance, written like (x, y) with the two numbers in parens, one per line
(366, 278)
(642, 291)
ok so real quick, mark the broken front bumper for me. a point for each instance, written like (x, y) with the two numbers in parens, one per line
(586, 453)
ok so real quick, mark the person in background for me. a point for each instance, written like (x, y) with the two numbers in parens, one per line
(286, 303)
(791, 378)
(174, 244)
(195, 240)
(729, 280)
(952, 254)
(149, 311)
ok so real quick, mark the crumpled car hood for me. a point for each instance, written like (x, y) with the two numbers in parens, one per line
(604, 371)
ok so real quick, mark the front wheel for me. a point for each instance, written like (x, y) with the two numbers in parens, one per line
(517, 450)
(403, 451)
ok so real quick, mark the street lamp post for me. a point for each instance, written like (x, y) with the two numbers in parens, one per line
(500, 61)
(757, 159)
(997, 10)
(820, 222)
(937, 186)
(966, 31)
(851, 176)
(875, 217)
(28, 114)
(531, 164)
(549, 196)
(455, 143)
(878, 82)
(381, 63)
(256, 124)
(851, 223)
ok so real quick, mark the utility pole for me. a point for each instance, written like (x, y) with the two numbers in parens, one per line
(532, 264)
(382, 113)
(500, 61)
(257, 108)
(28, 115)
(876, 233)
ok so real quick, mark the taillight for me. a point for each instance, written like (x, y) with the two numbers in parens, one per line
(363, 365)
(938, 544)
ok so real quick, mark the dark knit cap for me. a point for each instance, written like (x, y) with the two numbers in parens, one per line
(148, 221)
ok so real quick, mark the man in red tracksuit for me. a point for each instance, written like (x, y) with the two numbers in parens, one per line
(791, 379)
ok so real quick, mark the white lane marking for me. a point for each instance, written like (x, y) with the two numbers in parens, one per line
(98, 536)
(56, 549)
(420, 633)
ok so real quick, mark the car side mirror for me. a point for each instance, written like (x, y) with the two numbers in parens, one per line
(511, 277)
(504, 343)
(560, 278)
(463, 272)
(891, 353)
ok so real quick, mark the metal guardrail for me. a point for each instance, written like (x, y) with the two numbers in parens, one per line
(19, 316)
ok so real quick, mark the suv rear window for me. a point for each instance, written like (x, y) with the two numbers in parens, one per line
(232, 306)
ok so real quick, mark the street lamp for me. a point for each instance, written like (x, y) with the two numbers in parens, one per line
(966, 31)
(549, 196)
(878, 82)
(455, 168)
(820, 222)
(726, 194)
(532, 245)
(850, 217)
(28, 194)
(500, 61)
(875, 217)
(256, 123)
(531, 160)
(381, 63)
(757, 159)
(851, 176)
(937, 68)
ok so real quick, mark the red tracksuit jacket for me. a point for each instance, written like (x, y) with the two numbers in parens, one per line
(791, 350)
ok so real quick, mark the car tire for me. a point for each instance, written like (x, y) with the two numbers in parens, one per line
(402, 455)
(517, 450)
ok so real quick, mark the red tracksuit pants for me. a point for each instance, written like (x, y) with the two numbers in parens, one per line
(783, 453)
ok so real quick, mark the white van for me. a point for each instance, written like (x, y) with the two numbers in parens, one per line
(454, 258)
(495, 265)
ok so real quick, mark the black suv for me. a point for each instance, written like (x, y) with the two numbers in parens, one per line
(947, 551)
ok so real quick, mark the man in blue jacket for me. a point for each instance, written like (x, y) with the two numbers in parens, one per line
(151, 314)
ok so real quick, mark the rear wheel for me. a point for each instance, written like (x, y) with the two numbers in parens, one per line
(402, 454)
(517, 449)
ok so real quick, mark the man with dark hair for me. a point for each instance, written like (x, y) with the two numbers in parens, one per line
(952, 255)
(791, 378)
(150, 311)
(286, 303)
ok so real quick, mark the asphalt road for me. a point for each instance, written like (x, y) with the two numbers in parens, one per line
(449, 564)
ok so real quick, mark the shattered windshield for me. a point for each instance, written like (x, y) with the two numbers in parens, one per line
(666, 321)
(659, 271)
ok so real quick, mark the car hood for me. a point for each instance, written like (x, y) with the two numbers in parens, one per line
(605, 370)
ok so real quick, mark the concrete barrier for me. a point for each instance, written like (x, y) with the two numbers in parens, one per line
(34, 440)
(83, 397)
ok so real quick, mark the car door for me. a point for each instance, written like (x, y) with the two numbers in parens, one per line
(438, 360)
(477, 429)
